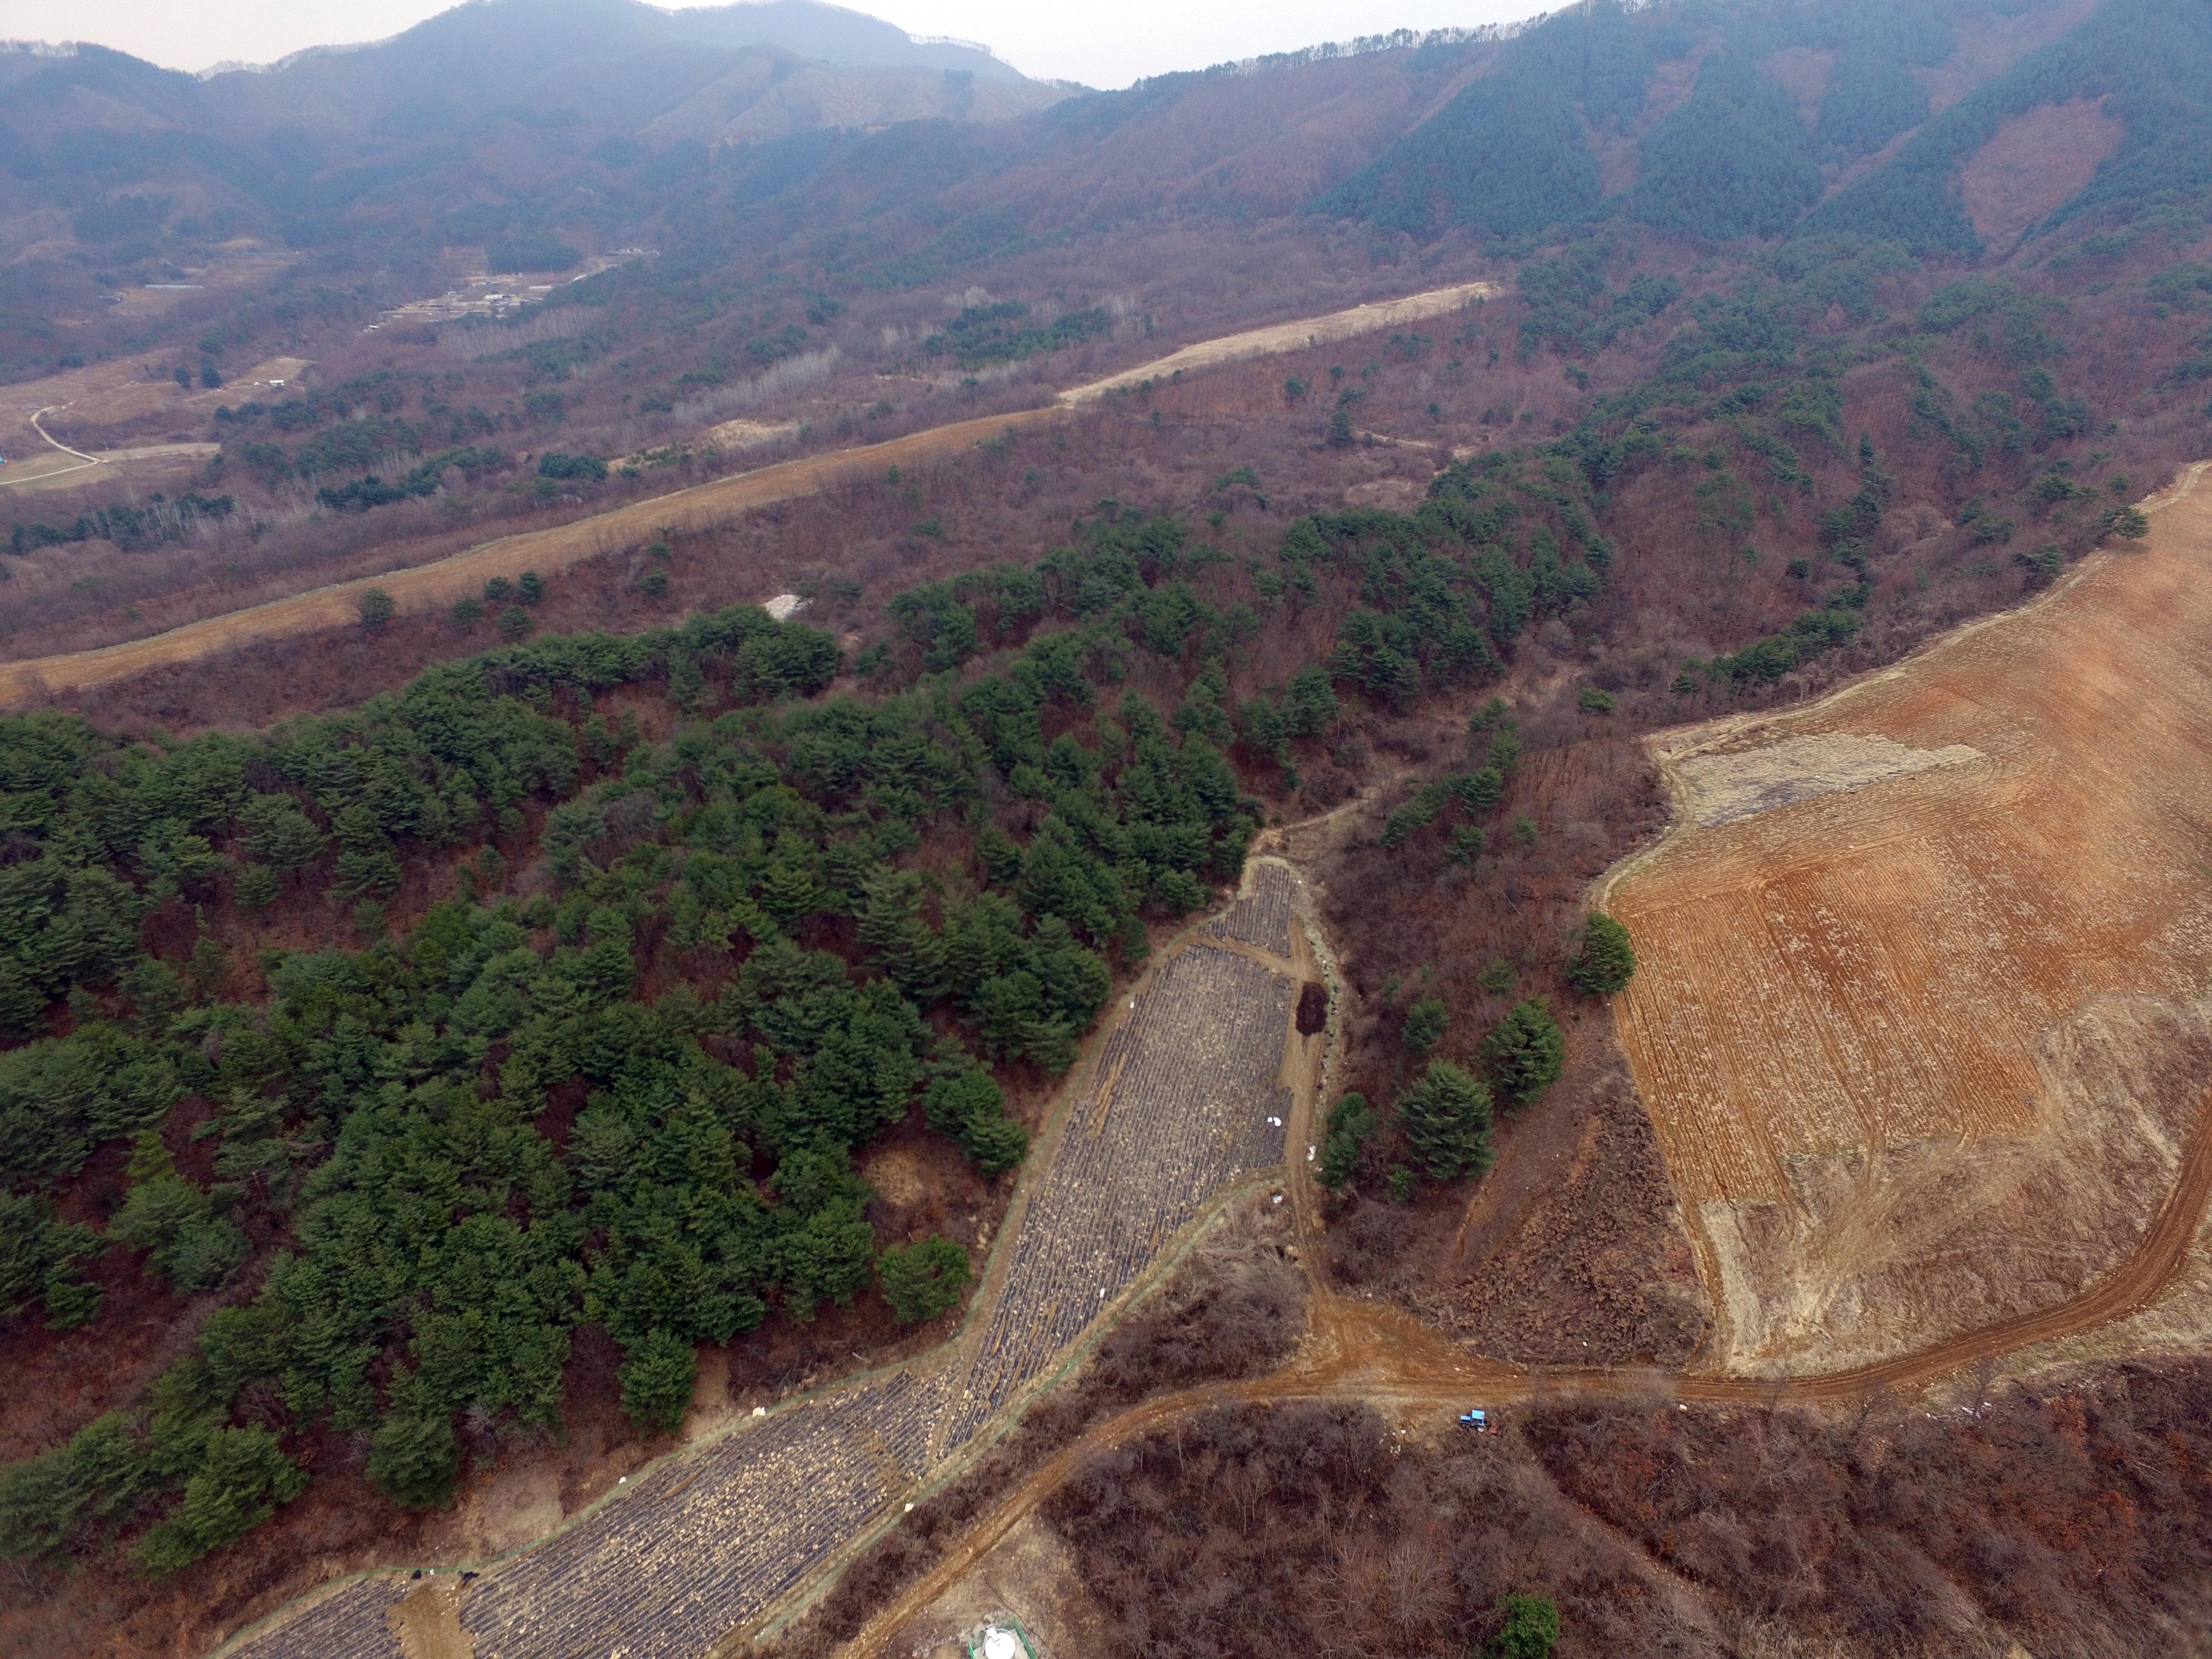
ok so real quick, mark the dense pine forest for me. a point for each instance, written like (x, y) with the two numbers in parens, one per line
(622, 1082)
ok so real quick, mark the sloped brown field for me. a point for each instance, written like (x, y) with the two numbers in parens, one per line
(1923, 1017)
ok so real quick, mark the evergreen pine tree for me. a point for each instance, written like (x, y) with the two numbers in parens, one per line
(1606, 961)
(1446, 1117)
(896, 937)
(1525, 1053)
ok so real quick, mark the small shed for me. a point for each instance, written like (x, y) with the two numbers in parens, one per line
(1003, 1638)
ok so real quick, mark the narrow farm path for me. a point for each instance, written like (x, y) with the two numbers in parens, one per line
(57, 461)
(38, 426)
(546, 551)
(61, 461)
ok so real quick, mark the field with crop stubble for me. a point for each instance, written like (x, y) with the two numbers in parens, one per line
(1923, 1017)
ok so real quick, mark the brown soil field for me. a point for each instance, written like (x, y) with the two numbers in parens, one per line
(557, 548)
(2035, 161)
(1922, 1012)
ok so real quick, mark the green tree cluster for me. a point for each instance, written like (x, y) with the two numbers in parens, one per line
(1604, 959)
(1351, 1125)
(1525, 1053)
(380, 1113)
(1446, 1118)
(1735, 159)
(923, 1281)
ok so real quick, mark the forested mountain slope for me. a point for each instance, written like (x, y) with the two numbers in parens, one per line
(1722, 121)
(420, 1043)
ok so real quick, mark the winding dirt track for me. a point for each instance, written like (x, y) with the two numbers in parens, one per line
(443, 581)
(1373, 1355)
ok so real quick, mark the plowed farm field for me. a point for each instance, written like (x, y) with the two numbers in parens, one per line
(1925, 1009)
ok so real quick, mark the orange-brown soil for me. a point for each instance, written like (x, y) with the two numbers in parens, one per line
(1922, 1015)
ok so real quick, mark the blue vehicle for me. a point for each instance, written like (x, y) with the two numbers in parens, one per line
(1478, 1419)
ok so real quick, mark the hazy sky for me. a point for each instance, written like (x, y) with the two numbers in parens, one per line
(1104, 46)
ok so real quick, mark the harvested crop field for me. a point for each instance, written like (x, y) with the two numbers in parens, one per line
(1923, 1015)
(1186, 1097)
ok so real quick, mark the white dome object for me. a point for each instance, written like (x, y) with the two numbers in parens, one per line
(999, 1643)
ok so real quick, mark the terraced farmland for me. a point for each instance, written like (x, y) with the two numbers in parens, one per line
(1186, 1096)
(1922, 1012)
(1183, 1100)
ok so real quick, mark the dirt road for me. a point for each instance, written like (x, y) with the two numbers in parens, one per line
(546, 551)
(1379, 1357)
(1290, 337)
(60, 461)
(57, 462)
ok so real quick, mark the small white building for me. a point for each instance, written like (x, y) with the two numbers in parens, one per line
(1005, 1639)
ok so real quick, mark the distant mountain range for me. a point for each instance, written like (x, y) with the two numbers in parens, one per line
(825, 147)
(295, 147)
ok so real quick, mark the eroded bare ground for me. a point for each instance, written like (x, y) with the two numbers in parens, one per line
(1185, 1098)
(1588, 1262)
(1923, 1015)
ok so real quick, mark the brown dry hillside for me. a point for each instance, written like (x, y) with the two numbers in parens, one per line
(1922, 1013)
(558, 547)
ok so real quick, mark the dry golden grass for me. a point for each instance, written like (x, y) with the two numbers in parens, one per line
(1923, 1014)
